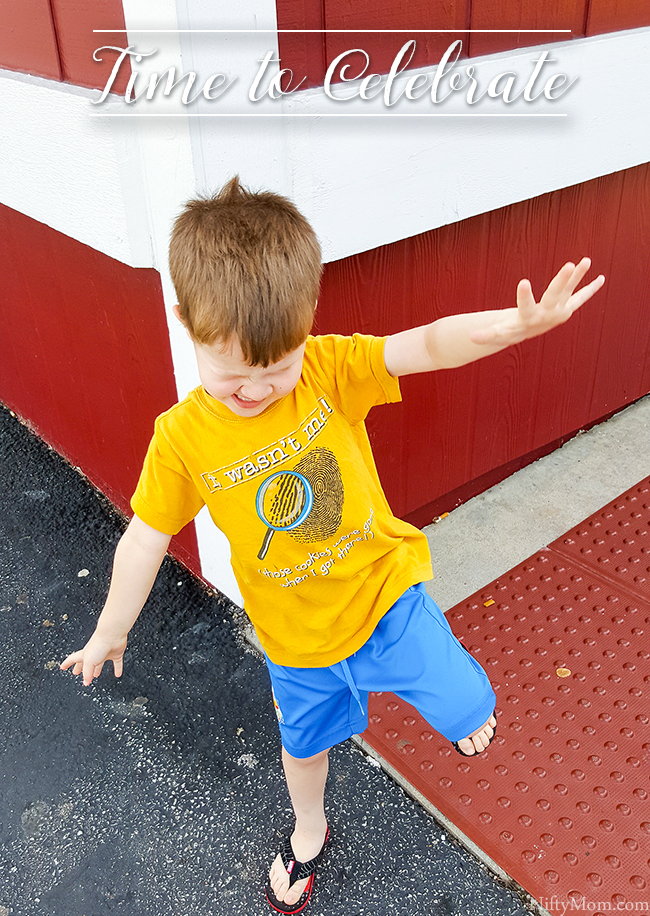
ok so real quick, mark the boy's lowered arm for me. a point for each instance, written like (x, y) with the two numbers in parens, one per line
(459, 339)
(138, 556)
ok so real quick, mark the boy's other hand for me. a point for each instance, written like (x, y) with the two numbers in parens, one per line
(89, 661)
(533, 318)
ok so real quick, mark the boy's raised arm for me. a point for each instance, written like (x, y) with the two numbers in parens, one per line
(138, 556)
(458, 339)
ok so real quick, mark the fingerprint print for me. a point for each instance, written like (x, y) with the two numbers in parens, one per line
(283, 501)
(287, 502)
(321, 469)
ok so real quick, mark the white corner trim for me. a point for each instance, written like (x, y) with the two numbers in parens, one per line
(214, 552)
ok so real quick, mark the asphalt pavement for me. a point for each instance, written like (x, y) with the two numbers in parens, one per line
(162, 792)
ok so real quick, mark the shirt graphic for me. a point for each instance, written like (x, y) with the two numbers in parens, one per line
(306, 502)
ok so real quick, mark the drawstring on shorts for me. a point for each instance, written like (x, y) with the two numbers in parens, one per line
(351, 684)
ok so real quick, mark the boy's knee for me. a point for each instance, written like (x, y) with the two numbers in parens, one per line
(304, 761)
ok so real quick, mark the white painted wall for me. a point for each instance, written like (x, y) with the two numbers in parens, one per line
(61, 168)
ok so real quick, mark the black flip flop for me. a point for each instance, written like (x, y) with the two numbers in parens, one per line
(297, 871)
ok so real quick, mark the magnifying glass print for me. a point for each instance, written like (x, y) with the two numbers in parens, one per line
(284, 500)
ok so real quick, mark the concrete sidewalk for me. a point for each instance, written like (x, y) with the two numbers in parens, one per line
(162, 791)
(500, 528)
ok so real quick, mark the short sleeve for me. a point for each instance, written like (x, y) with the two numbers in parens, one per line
(166, 497)
(355, 371)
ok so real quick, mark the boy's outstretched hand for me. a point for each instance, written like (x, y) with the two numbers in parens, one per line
(89, 661)
(456, 340)
(532, 318)
(137, 560)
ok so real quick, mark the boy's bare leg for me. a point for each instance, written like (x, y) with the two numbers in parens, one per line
(478, 740)
(306, 781)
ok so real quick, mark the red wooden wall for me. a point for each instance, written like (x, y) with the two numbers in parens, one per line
(459, 431)
(55, 39)
(310, 54)
(85, 355)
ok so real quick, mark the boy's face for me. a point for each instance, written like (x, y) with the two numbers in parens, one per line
(244, 389)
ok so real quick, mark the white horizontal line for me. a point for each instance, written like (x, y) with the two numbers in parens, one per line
(335, 31)
(289, 114)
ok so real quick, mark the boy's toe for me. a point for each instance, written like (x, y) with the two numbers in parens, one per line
(279, 877)
(293, 895)
(279, 880)
(466, 745)
(480, 743)
(480, 740)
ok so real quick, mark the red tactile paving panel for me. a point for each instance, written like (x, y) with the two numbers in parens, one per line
(561, 799)
(615, 541)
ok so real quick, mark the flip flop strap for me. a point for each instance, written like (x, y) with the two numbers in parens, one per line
(297, 870)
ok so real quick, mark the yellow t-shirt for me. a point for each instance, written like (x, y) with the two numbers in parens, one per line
(316, 551)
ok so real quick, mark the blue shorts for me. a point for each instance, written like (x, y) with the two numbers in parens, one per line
(411, 653)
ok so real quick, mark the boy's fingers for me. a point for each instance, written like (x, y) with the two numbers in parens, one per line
(88, 668)
(91, 671)
(525, 298)
(579, 298)
(565, 281)
(559, 283)
(577, 275)
(67, 662)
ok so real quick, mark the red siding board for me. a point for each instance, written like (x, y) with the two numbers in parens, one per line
(455, 427)
(610, 15)
(75, 21)
(523, 14)
(55, 39)
(302, 52)
(626, 326)
(384, 14)
(27, 38)
(311, 54)
(85, 353)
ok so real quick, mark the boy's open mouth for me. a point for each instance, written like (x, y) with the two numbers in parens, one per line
(245, 402)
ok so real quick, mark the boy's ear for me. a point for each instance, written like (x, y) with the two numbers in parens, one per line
(176, 310)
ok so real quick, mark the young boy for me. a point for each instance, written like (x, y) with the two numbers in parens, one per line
(273, 442)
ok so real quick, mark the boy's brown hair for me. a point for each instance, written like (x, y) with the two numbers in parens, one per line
(248, 265)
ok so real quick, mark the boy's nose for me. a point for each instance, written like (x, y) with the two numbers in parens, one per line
(255, 391)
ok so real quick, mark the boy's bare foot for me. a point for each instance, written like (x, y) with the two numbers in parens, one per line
(305, 847)
(478, 741)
